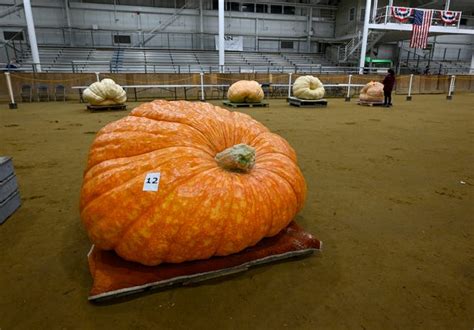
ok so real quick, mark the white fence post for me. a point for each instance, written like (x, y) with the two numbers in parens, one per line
(97, 76)
(348, 96)
(409, 88)
(202, 86)
(451, 88)
(289, 84)
(12, 104)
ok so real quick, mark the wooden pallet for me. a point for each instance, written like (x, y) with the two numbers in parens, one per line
(370, 104)
(294, 101)
(106, 107)
(114, 277)
(245, 104)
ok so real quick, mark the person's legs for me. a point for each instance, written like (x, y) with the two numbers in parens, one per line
(389, 99)
(385, 98)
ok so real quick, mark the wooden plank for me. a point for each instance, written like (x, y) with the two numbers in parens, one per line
(370, 104)
(301, 103)
(245, 105)
(106, 107)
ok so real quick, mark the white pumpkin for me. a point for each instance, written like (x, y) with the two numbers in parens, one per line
(308, 88)
(245, 91)
(105, 92)
(372, 92)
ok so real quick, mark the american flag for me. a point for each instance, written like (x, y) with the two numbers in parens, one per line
(421, 27)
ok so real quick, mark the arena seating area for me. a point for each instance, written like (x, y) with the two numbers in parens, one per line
(67, 59)
(122, 60)
(435, 66)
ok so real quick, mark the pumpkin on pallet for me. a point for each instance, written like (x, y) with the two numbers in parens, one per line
(105, 92)
(245, 91)
(225, 183)
(308, 88)
(372, 92)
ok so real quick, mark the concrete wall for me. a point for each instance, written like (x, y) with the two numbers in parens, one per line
(344, 26)
(95, 25)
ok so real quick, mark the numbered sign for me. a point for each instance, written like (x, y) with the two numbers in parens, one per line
(152, 181)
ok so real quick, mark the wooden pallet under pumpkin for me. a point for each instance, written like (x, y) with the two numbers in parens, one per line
(370, 104)
(114, 277)
(245, 104)
(301, 103)
(110, 107)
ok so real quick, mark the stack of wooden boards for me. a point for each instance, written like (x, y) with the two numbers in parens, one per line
(303, 103)
(245, 104)
(9, 194)
(93, 108)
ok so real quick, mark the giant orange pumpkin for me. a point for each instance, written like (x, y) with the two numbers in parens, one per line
(248, 91)
(226, 183)
(372, 92)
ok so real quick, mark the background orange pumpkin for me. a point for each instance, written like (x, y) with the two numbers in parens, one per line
(226, 183)
(372, 92)
(245, 91)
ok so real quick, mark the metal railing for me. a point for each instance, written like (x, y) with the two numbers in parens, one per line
(15, 48)
(385, 15)
(160, 27)
(406, 66)
(150, 67)
(347, 49)
(335, 86)
(352, 48)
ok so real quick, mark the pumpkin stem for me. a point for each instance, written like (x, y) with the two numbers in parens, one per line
(238, 158)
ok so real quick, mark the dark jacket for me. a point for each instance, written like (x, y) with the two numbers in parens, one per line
(388, 82)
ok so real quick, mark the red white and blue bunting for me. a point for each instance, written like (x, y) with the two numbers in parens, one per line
(449, 17)
(401, 13)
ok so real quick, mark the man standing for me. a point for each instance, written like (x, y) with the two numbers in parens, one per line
(388, 84)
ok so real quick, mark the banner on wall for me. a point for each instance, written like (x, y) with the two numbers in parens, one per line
(235, 43)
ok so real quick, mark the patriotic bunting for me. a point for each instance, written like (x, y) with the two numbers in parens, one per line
(449, 17)
(401, 13)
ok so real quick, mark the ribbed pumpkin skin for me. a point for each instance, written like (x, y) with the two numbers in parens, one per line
(200, 209)
(245, 91)
(105, 92)
(372, 92)
(308, 87)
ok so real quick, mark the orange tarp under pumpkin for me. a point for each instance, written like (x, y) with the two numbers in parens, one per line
(114, 276)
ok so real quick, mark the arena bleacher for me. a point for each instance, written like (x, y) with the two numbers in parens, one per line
(79, 60)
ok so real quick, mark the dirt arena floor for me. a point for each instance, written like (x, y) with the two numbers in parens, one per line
(390, 195)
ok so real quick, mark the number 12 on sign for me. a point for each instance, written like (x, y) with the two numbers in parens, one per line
(152, 182)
